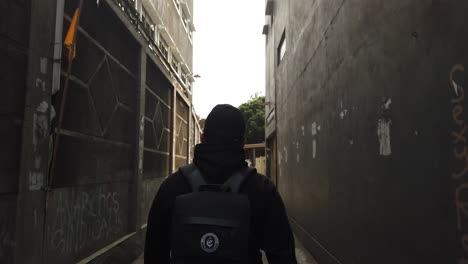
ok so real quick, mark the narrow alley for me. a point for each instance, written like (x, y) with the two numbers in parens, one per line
(352, 112)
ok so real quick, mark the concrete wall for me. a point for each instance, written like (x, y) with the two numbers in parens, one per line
(116, 144)
(171, 18)
(370, 127)
(14, 43)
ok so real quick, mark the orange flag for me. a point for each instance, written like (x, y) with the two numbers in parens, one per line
(70, 39)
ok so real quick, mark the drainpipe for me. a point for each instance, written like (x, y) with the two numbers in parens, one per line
(56, 63)
(58, 42)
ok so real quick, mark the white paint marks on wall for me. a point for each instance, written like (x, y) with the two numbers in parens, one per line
(296, 144)
(315, 130)
(387, 103)
(456, 88)
(36, 180)
(42, 107)
(298, 158)
(285, 155)
(43, 65)
(343, 113)
(303, 131)
(52, 113)
(39, 137)
(40, 123)
(40, 84)
(314, 148)
(383, 133)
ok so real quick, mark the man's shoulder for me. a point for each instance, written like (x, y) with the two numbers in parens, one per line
(175, 184)
(255, 182)
(259, 182)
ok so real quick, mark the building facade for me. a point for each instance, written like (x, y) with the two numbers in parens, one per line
(85, 144)
(365, 127)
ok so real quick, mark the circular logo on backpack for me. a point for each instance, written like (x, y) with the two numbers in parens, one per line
(209, 242)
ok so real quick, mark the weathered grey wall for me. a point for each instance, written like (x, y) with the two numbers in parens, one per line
(370, 128)
(172, 20)
(181, 133)
(14, 43)
(158, 129)
(115, 143)
(89, 205)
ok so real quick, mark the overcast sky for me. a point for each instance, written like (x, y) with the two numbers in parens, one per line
(229, 52)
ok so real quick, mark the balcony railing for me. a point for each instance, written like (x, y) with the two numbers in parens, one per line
(143, 27)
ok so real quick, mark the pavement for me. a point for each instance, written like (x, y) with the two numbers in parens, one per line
(303, 256)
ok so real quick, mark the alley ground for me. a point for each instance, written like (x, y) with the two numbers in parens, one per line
(302, 255)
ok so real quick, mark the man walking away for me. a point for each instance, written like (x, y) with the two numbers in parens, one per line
(218, 210)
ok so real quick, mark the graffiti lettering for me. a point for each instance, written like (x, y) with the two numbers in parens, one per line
(459, 91)
(456, 113)
(460, 156)
(81, 217)
(7, 238)
(461, 206)
(460, 136)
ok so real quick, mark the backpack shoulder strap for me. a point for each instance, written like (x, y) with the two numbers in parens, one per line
(193, 176)
(234, 183)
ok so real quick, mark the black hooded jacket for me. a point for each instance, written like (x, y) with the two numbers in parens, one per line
(269, 231)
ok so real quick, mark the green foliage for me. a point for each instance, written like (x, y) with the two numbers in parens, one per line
(254, 114)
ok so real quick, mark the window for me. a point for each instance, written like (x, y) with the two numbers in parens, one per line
(184, 14)
(163, 47)
(175, 65)
(184, 77)
(282, 47)
(147, 23)
(185, 21)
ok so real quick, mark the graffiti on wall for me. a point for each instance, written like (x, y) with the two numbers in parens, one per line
(315, 130)
(80, 218)
(7, 236)
(150, 188)
(460, 163)
(40, 133)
